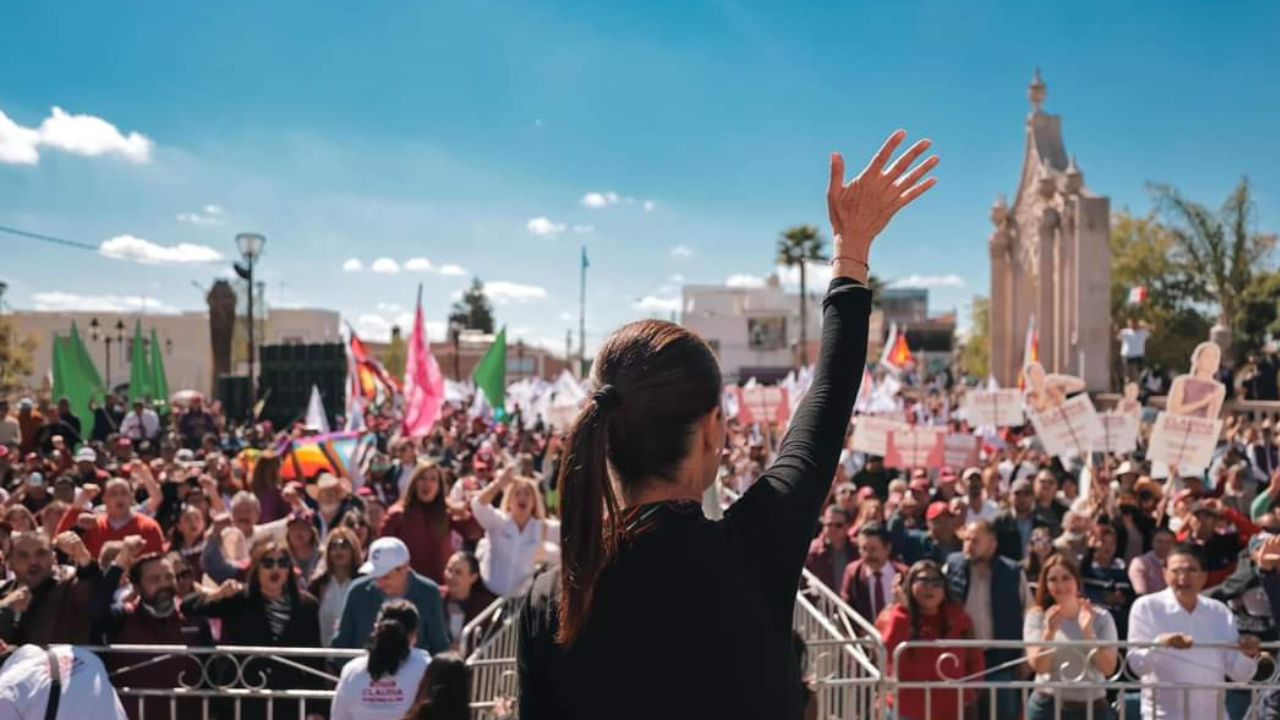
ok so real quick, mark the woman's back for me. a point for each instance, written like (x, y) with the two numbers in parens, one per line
(681, 628)
(360, 697)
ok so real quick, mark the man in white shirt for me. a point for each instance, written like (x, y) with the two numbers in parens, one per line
(1182, 622)
(141, 424)
(1133, 347)
(85, 690)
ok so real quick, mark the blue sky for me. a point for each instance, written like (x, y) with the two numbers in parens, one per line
(441, 130)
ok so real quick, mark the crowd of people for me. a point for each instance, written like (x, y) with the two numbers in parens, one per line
(1022, 549)
(177, 528)
(162, 533)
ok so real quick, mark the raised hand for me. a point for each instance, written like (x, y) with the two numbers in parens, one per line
(1086, 619)
(1269, 554)
(73, 547)
(17, 601)
(227, 589)
(1052, 621)
(861, 209)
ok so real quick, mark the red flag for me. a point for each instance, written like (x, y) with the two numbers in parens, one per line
(900, 356)
(423, 381)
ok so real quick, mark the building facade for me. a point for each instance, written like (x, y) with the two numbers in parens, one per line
(1051, 260)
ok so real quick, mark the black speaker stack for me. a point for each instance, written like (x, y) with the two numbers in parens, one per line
(289, 371)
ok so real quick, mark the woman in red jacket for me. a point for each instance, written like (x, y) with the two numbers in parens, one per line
(925, 613)
(421, 519)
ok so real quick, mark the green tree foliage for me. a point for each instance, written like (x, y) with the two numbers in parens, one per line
(17, 358)
(1258, 314)
(975, 356)
(1220, 250)
(1144, 253)
(474, 311)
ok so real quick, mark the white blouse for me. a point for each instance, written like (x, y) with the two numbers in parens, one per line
(508, 554)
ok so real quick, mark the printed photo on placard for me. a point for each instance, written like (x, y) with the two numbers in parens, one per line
(1198, 394)
(1000, 407)
(1068, 429)
(1186, 433)
(1046, 391)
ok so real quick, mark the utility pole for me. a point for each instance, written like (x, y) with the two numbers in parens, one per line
(582, 317)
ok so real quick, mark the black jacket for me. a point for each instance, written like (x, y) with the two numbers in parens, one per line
(1009, 538)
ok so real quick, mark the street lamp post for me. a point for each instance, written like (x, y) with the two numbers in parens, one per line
(97, 332)
(520, 358)
(250, 245)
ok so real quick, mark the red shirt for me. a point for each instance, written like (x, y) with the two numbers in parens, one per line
(102, 531)
(921, 664)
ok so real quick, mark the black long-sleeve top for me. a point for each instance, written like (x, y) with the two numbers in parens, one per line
(692, 618)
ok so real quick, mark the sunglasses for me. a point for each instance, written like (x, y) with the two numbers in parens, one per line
(271, 563)
(931, 582)
(340, 545)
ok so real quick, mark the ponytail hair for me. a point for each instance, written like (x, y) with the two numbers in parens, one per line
(445, 690)
(392, 638)
(655, 381)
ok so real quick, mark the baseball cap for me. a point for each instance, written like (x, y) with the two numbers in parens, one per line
(1127, 468)
(970, 472)
(86, 454)
(1021, 485)
(25, 404)
(1205, 506)
(921, 484)
(385, 554)
(947, 475)
(4, 451)
(184, 455)
(936, 509)
(35, 479)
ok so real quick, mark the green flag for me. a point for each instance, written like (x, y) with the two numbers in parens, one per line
(160, 383)
(70, 381)
(89, 371)
(491, 375)
(140, 375)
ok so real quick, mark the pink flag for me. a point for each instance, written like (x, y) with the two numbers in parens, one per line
(423, 381)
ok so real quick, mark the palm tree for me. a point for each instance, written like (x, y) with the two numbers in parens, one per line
(796, 246)
(1222, 248)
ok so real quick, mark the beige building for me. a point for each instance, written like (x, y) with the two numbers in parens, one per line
(185, 337)
(1051, 259)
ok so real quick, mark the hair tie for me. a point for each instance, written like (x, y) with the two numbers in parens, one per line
(607, 398)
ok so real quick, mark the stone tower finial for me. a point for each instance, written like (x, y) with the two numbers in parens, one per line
(1037, 91)
(1075, 178)
(999, 211)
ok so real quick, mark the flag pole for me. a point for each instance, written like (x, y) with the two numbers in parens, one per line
(582, 316)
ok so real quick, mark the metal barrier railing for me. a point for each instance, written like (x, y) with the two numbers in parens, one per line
(489, 645)
(1075, 686)
(844, 654)
(162, 682)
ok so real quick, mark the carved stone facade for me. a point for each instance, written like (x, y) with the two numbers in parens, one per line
(1051, 259)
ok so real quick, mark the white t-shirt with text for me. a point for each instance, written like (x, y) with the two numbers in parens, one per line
(86, 689)
(359, 697)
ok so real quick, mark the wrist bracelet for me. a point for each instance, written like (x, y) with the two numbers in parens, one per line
(838, 258)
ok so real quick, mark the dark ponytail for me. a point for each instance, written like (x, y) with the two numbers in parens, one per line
(391, 640)
(656, 380)
(445, 690)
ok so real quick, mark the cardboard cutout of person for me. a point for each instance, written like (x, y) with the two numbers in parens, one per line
(1130, 404)
(1198, 394)
(1048, 391)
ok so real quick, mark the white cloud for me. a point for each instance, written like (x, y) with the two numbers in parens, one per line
(502, 292)
(597, 200)
(544, 227)
(74, 302)
(677, 278)
(681, 251)
(128, 247)
(418, 264)
(352, 265)
(92, 136)
(929, 281)
(584, 229)
(817, 276)
(566, 317)
(17, 143)
(210, 215)
(385, 265)
(742, 280)
(386, 307)
(85, 135)
(650, 205)
(655, 304)
(452, 270)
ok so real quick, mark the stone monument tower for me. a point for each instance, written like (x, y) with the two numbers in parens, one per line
(1051, 259)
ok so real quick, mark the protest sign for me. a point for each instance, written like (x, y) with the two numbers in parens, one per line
(994, 408)
(1198, 394)
(915, 446)
(871, 434)
(762, 403)
(960, 450)
(1119, 433)
(1067, 429)
(1046, 392)
(1184, 442)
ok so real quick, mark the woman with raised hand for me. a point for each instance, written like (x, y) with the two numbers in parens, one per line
(657, 611)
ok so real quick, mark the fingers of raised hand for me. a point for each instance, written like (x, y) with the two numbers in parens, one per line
(886, 151)
(837, 173)
(912, 154)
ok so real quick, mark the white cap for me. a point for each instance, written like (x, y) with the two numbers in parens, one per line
(86, 454)
(385, 554)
